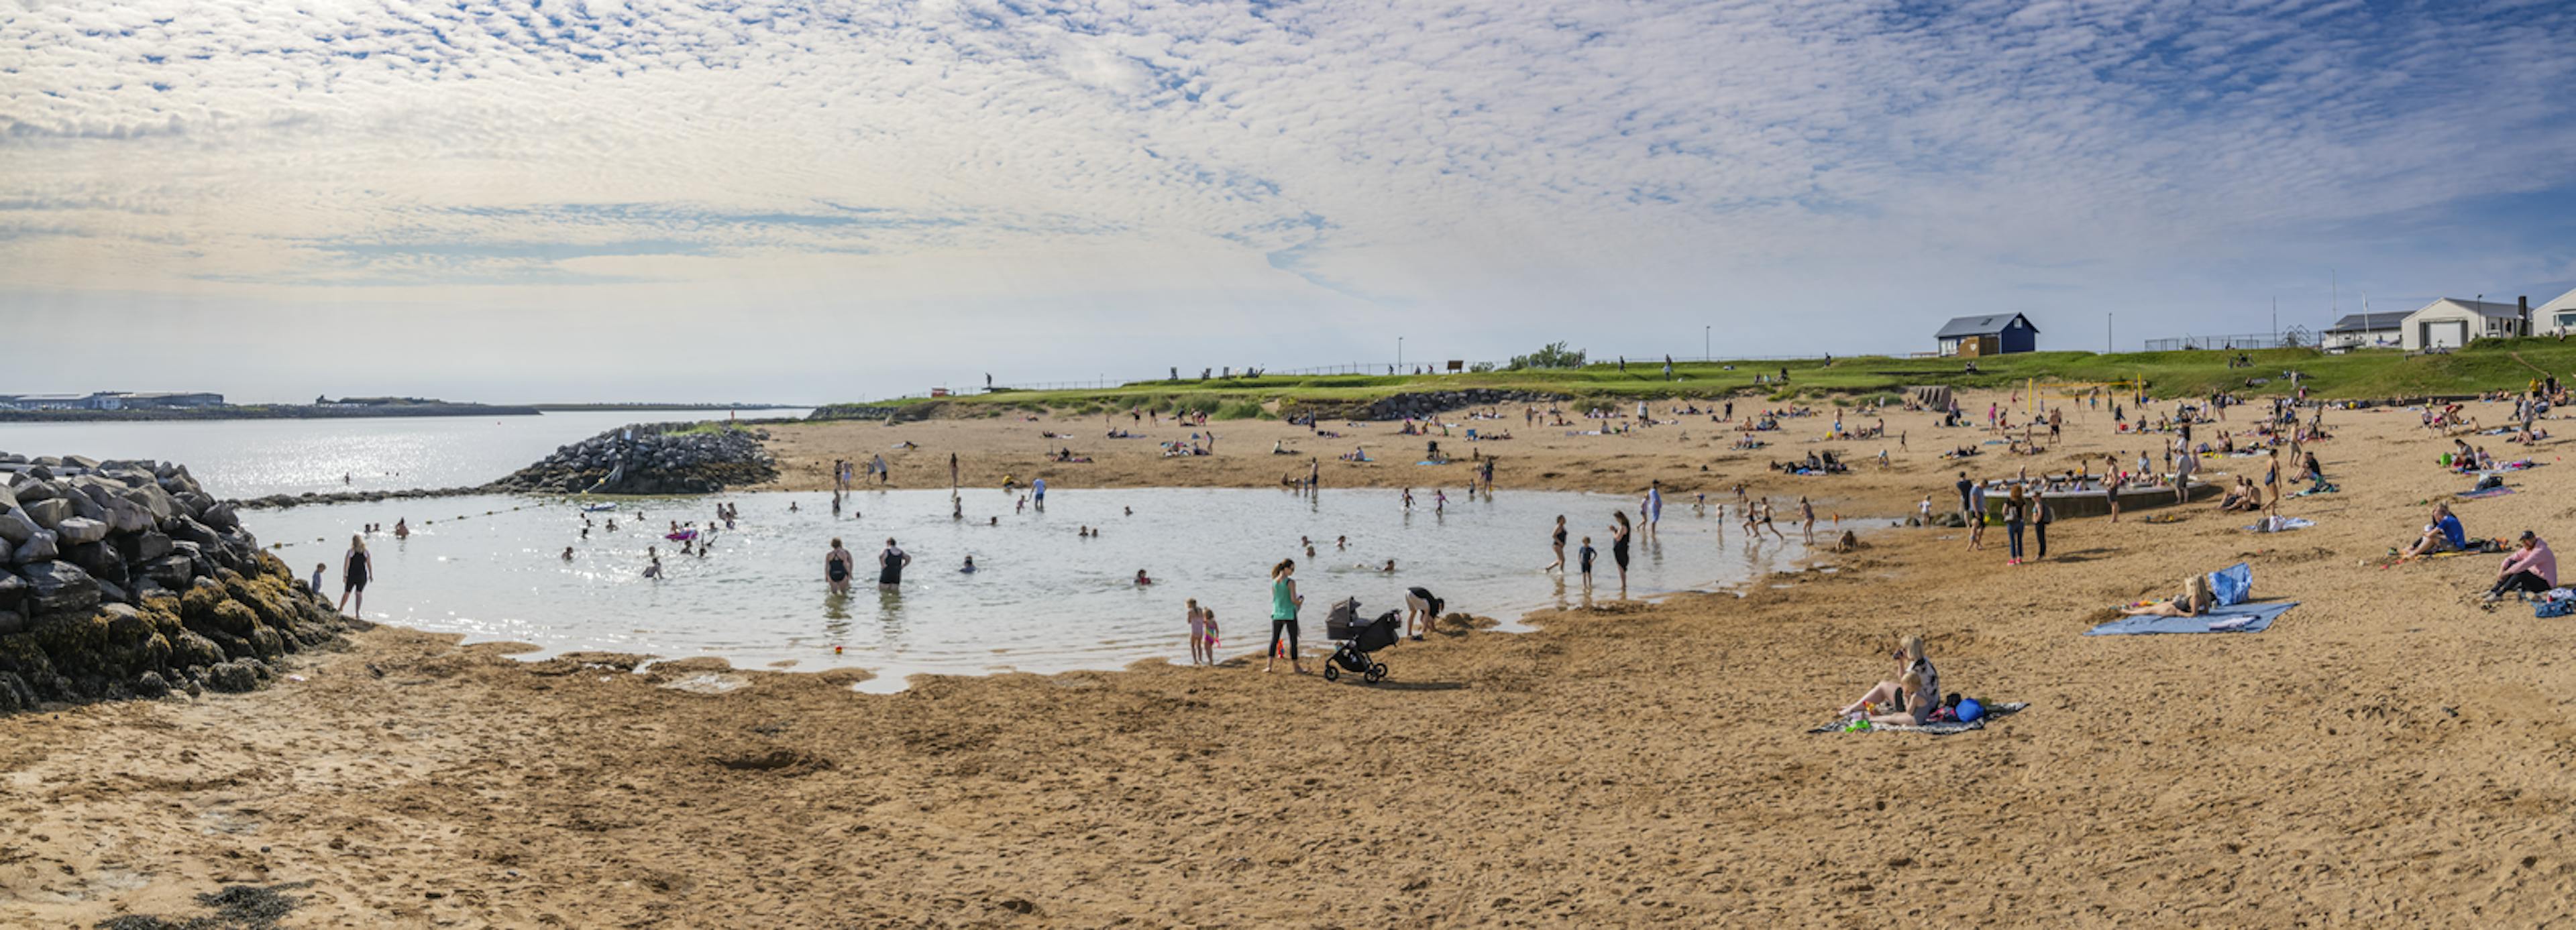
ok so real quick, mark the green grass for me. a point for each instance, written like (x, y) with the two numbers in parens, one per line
(2487, 365)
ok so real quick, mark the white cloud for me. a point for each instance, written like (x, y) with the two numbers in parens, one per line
(1439, 158)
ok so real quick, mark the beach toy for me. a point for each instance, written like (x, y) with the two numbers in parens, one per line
(1969, 710)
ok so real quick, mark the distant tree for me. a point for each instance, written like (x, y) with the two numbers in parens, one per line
(1554, 355)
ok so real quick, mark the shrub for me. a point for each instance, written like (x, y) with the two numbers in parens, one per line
(1553, 355)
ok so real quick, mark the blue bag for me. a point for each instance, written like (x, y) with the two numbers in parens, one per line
(2232, 584)
(1969, 710)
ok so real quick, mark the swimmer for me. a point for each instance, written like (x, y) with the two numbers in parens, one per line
(1131, 511)
(1142, 578)
(968, 568)
(837, 567)
(1341, 543)
(567, 556)
(402, 528)
(653, 570)
(996, 521)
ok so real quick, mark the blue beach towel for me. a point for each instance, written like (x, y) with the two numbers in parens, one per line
(2242, 618)
(2485, 493)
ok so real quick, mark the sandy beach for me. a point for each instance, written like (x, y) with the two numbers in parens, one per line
(2387, 754)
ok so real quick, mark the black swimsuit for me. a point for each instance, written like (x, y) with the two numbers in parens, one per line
(1619, 550)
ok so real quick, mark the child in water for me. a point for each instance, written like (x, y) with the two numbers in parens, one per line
(1198, 633)
(1142, 579)
(968, 568)
(1585, 555)
(317, 577)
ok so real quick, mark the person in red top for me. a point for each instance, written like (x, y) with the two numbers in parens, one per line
(2531, 569)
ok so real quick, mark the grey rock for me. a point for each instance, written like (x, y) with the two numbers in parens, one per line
(232, 677)
(80, 461)
(125, 516)
(151, 686)
(12, 622)
(99, 560)
(154, 501)
(16, 526)
(220, 516)
(7, 549)
(187, 530)
(110, 592)
(146, 546)
(36, 548)
(171, 571)
(50, 512)
(78, 530)
(59, 588)
(31, 491)
(8, 498)
(13, 591)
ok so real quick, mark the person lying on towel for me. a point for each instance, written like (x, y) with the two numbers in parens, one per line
(2197, 598)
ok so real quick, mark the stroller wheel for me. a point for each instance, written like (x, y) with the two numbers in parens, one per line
(1331, 673)
(1375, 674)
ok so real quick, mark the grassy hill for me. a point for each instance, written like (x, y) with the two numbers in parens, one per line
(2487, 365)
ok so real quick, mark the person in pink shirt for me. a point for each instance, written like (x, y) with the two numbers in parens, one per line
(2529, 570)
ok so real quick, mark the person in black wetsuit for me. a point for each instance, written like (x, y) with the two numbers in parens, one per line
(1619, 532)
(836, 567)
(890, 564)
(355, 572)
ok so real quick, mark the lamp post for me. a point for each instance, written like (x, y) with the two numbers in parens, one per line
(1703, 345)
(1399, 353)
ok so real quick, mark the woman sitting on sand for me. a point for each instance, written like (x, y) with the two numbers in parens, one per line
(2197, 598)
(1913, 668)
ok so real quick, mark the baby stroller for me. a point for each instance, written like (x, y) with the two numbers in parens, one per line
(1358, 638)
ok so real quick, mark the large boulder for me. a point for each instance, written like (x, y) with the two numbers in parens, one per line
(50, 512)
(142, 547)
(125, 516)
(80, 530)
(13, 591)
(154, 501)
(8, 498)
(16, 526)
(170, 571)
(99, 560)
(31, 491)
(188, 530)
(236, 676)
(36, 548)
(59, 588)
(220, 516)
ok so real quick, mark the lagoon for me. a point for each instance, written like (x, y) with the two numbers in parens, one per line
(1045, 600)
(255, 458)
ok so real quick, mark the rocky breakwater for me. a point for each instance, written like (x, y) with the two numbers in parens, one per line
(124, 579)
(650, 458)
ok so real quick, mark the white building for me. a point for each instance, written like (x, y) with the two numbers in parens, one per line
(2555, 318)
(2363, 331)
(2450, 323)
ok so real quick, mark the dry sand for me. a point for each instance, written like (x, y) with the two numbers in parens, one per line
(2387, 754)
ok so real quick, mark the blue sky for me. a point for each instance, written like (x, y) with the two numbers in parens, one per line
(817, 201)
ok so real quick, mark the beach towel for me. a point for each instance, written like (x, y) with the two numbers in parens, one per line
(1942, 728)
(2484, 493)
(2316, 489)
(2280, 525)
(2242, 618)
(2232, 584)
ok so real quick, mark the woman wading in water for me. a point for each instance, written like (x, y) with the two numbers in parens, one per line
(355, 571)
(1284, 601)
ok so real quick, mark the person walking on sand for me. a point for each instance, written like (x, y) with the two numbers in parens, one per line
(1284, 602)
(1807, 518)
(838, 566)
(1619, 533)
(890, 565)
(1977, 517)
(356, 569)
(1555, 540)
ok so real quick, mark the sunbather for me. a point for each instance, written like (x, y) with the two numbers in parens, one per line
(1914, 668)
(2444, 534)
(2197, 598)
(2531, 569)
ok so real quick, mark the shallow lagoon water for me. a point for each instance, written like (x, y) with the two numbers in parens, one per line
(1044, 599)
(255, 458)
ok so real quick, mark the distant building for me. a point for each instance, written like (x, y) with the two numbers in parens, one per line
(94, 401)
(2555, 318)
(1973, 336)
(170, 399)
(2450, 323)
(2363, 330)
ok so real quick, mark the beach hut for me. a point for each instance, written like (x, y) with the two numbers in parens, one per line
(1993, 334)
(2451, 322)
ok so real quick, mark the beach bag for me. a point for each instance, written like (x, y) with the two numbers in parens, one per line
(2559, 607)
(2232, 584)
(2490, 481)
(1969, 710)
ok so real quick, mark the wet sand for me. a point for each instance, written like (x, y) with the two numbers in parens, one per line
(2387, 754)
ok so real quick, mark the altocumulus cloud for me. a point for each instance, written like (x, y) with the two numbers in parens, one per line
(1369, 153)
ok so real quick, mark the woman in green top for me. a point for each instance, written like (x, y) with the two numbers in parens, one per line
(1284, 601)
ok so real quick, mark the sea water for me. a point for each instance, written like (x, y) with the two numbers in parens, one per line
(256, 458)
(1044, 598)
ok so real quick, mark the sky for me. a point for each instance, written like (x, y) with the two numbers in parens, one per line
(579, 200)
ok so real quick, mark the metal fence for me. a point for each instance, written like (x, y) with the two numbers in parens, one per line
(2248, 341)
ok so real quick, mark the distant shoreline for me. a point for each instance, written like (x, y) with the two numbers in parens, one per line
(578, 408)
(266, 412)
